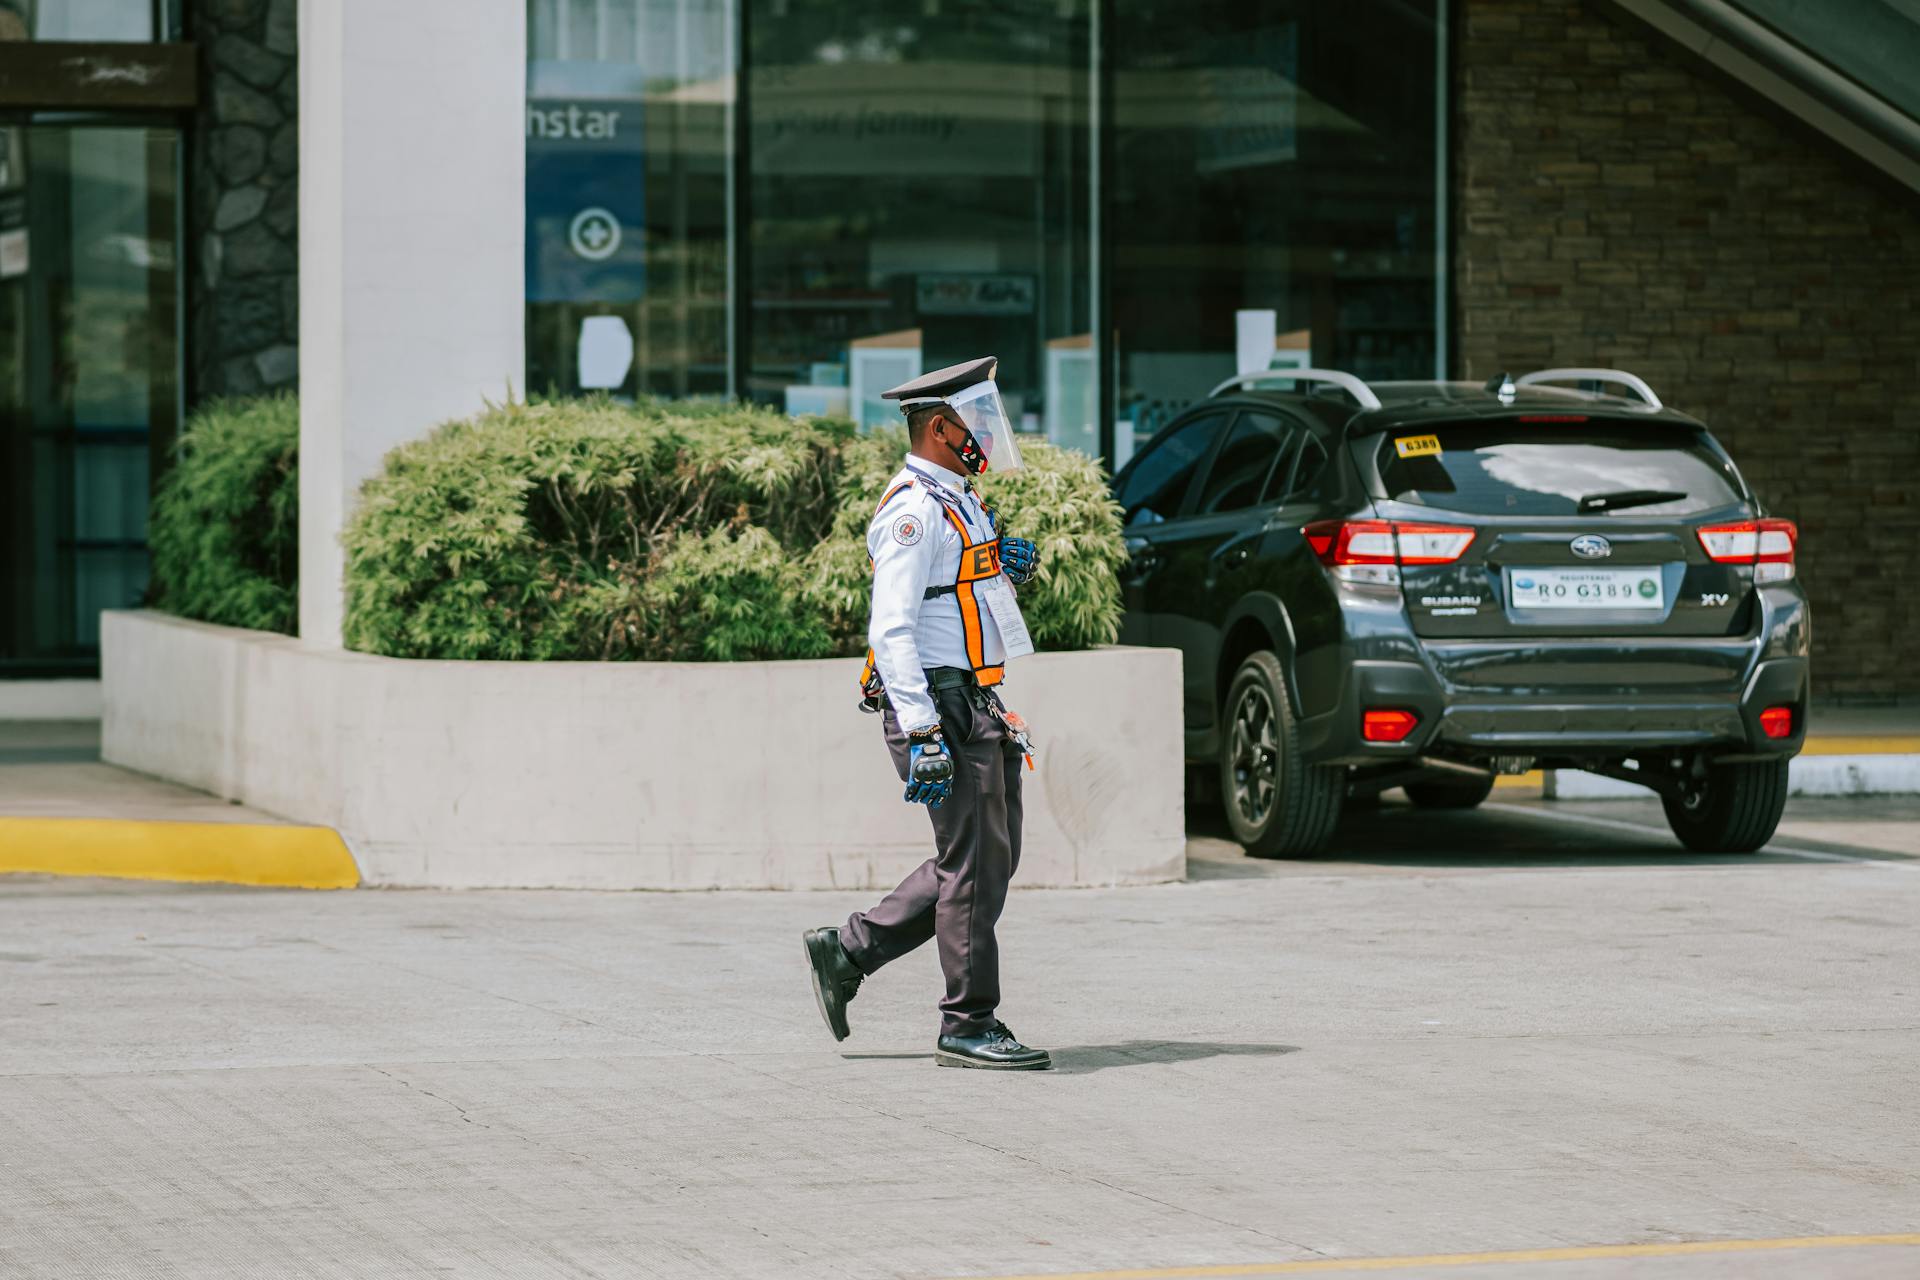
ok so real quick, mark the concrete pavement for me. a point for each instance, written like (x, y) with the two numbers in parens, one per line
(1478, 1032)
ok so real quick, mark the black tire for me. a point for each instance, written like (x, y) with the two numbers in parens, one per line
(1449, 793)
(1277, 805)
(1735, 810)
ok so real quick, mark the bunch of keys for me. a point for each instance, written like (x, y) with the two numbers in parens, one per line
(1017, 728)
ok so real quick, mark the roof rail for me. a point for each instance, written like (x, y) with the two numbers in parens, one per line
(1633, 382)
(1345, 381)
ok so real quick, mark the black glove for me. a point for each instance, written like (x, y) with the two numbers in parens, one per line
(929, 769)
(1020, 559)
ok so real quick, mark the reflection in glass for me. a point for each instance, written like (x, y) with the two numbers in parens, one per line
(1156, 488)
(76, 20)
(1274, 157)
(919, 195)
(89, 385)
(1241, 472)
(629, 144)
(1501, 469)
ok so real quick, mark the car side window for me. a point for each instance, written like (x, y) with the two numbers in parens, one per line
(1240, 470)
(1157, 484)
(1309, 466)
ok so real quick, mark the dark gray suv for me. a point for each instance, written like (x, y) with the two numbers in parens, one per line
(1425, 585)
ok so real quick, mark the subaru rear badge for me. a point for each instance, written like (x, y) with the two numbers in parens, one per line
(1591, 546)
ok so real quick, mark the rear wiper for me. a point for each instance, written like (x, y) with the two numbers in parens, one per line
(1627, 498)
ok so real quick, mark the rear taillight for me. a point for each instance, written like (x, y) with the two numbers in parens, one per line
(1432, 543)
(1777, 722)
(1768, 545)
(1373, 550)
(1351, 541)
(1387, 725)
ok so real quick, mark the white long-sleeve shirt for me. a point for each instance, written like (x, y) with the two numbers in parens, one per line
(914, 546)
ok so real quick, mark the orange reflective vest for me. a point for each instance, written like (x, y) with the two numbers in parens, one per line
(979, 562)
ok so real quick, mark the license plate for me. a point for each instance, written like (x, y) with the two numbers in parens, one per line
(1585, 588)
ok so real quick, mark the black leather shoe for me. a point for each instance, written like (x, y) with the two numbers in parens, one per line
(835, 979)
(994, 1050)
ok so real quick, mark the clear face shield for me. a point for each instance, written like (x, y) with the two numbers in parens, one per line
(985, 415)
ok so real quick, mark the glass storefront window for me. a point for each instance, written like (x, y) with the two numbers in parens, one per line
(629, 196)
(83, 19)
(89, 383)
(1279, 158)
(919, 196)
(919, 184)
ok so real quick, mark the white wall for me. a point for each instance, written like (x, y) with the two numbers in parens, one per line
(412, 253)
(50, 700)
(630, 775)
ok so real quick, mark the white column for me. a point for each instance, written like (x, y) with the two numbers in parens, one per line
(412, 243)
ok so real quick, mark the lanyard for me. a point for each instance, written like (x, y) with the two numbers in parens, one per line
(937, 482)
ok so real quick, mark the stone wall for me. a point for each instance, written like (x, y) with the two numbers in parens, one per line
(244, 298)
(1620, 205)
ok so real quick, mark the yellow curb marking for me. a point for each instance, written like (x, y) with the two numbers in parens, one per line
(1863, 746)
(228, 853)
(1824, 746)
(1312, 1266)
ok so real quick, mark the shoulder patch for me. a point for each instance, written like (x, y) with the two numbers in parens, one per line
(909, 529)
(887, 498)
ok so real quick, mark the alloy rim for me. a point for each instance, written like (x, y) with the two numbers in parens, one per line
(1255, 756)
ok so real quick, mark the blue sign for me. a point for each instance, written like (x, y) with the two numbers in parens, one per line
(586, 201)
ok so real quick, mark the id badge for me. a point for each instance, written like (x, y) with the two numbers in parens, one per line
(1006, 616)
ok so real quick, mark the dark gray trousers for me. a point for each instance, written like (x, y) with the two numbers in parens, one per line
(955, 896)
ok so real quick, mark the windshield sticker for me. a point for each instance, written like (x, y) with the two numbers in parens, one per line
(1418, 446)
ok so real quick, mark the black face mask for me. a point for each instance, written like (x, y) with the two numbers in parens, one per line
(972, 457)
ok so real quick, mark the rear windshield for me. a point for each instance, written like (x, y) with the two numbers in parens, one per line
(1555, 469)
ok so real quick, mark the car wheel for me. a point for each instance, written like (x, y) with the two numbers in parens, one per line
(1449, 793)
(1277, 805)
(1735, 809)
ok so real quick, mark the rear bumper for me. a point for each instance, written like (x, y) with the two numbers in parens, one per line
(1467, 723)
(1565, 700)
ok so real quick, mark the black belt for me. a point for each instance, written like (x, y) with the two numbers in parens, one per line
(938, 678)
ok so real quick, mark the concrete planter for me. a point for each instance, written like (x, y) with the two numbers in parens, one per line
(628, 775)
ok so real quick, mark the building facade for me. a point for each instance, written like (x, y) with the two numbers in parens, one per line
(1621, 205)
(801, 202)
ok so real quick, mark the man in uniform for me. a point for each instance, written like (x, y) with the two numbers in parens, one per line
(944, 624)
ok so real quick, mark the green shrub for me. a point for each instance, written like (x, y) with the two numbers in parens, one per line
(589, 529)
(560, 530)
(1060, 500)
(225, 525)
(838, 573)
(723, 596)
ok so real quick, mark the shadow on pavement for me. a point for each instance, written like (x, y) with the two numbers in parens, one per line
(1517, 833)
(1084, 1059)
(1079, 1060)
